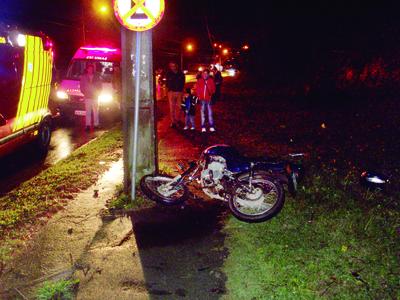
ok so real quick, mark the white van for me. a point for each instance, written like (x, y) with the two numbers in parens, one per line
(69, 99)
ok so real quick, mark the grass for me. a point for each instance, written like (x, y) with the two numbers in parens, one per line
(36, 199)
(121, 201)
(59, 290)
(331, 242)
(335, 240)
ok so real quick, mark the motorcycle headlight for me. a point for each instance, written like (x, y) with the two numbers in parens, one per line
(105, 98)
(62, 95)
(374, 180)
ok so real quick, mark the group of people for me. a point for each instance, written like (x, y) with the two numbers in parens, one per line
(205, 92)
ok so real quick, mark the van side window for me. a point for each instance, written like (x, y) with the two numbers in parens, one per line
(9, 83)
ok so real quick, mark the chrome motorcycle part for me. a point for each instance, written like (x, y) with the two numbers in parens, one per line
(258, 202)
(164, 189)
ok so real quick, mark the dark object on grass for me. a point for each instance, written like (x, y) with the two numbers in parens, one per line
(374, 181)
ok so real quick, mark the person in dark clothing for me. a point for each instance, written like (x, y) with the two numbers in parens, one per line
(175, 86)
(218, 83)
(189, 108)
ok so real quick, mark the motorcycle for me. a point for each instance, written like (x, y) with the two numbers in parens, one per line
(253, 188)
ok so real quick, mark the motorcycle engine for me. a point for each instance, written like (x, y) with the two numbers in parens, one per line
(212, 175)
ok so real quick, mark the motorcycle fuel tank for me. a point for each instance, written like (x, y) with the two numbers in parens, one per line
(234, 160)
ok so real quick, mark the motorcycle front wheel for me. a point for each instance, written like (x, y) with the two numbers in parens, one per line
(162, 189)
(259, 202)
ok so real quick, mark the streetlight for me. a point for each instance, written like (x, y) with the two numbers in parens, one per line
(189, 48)
(245, 47)
(225, 51)
(103, 9)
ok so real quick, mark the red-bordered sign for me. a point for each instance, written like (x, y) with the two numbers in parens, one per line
(139, 15)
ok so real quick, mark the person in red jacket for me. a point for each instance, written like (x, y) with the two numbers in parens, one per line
(205, 88)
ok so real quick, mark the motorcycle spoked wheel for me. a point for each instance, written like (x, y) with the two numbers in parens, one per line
(263, 202)
(156, 188)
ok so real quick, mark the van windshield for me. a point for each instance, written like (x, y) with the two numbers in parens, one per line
(105, 69)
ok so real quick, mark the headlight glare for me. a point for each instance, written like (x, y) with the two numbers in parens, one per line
(62, 95)
(105, 98)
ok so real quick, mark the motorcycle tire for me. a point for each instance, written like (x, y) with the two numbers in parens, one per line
(261, 181)
(152, 191)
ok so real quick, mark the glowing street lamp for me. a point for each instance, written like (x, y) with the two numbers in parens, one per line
(225, 51)
(245, 47)
(189, 47)
(103, 9)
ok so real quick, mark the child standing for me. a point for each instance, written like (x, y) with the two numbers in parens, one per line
(189, 108)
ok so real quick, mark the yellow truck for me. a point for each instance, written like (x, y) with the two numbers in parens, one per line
(26, 64)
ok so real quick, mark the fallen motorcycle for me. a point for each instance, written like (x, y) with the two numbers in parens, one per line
(252, 187)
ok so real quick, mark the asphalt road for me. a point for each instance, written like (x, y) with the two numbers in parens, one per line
(25, 163)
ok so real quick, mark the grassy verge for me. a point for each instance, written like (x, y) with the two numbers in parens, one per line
(36, 199)
(63, 289)
(122, 201)
(333, 241)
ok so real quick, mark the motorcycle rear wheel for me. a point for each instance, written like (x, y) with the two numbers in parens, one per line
(156, 188)
(264, 201)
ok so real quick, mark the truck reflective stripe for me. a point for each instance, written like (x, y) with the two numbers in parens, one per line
(30, 76)
(41, 86)
(48, 76)
(35, 87)
(21, 105)
(38, 70)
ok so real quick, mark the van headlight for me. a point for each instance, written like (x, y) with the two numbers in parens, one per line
(105, 98)
(62, 95)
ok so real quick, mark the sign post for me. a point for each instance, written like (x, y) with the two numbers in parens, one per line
(137, 86)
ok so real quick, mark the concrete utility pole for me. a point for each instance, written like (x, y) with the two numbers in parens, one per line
(140, 149)
(139, 141)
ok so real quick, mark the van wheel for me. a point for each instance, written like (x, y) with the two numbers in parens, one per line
(44, 136)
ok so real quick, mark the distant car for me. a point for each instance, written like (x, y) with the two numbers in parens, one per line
(26, 64)
(231, 67)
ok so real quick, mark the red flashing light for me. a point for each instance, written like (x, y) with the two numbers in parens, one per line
(349, 74)
(48, 44)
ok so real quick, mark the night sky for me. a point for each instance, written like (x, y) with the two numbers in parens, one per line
(287, 34)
